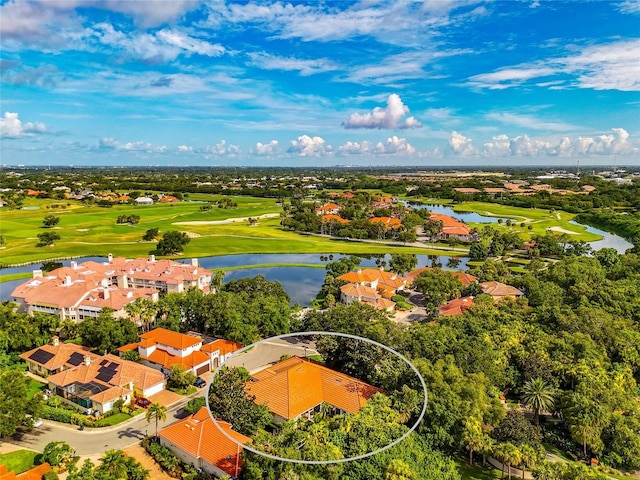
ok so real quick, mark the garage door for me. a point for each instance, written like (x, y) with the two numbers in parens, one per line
(202, 369)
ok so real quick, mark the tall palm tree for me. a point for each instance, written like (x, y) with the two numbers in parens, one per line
(114, 462)
(508, 454)
(472, 437)
(486, 447)
(528, 457)
(538, 395)
(157, 411)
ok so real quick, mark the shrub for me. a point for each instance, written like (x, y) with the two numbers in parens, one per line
(50, 475)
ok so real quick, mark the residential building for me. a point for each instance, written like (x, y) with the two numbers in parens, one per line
(298, 387)
(83, 290)
(465, 278)
(144, 201)
(197, 441)
(390, 223)
(55, 357)
(328, 209)
(35, 473)
(500, 291)
(452, 228)
(161, 349)
(372, 285)
(168, 199)
(457, 306)
(333, 217)
(97, 383)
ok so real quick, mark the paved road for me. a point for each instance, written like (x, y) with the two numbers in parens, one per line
(268, 353)
(92, 441)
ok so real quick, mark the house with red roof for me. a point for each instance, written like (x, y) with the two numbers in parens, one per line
(168, 199)
(97, 383)
(500, 291)
(162, 349)
(197, 441)
(452, 228)
(465, 278)
(35, 473)
(334, 218)
(372, 285)
(328, 209)
(457, 306)
(390, 223)
(297, 387)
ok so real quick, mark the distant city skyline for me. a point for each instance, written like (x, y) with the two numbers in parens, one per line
(460, 83)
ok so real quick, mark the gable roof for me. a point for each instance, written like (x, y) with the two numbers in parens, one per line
(497, 289)
(336, 218)
(456, 306)
(52, 357)
(35, 473)
(295, 385)
(357, 291)
(225, 346)
(170, 338)
(388, 222)
(201, 438)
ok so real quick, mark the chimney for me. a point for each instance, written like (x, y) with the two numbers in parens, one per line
(359, 270)
(37, 274)
(67, 280)
(131, 385)
(152, 258)
(74, 264)
(110, 258)
(87, 360)
(381, 268)
(123, 281)
(155, 296)
(55, 341)
(106, 293)
(194, 262)
(104, 283)
(195, 271)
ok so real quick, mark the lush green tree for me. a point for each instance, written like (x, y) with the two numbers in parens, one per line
(508, 454)
(58, 454)
(17, 407)
(402, 263)
(195, 404)
(106, 333)
(179, 377)
(50, 221)
(172, 242)
(131, 355)
(515, 428)
(158, 412)
(47, 238)
(478, 252)
(538, 395)
(437, 286)
(150, 234)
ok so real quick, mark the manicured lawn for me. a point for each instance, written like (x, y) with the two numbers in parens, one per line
(18, 461)
(35, 387)
(114, 419)
(476, 472)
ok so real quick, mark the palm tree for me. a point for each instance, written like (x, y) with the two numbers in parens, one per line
(508, 454)
(486, 447)
(158, 411)
(114, 462)
(528, 457)
(472, 437)
(539, 395)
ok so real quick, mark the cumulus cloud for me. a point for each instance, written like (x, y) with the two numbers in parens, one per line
(107, 143)
(185, 148)
(394, 115)
(267, 149)
(395, 145)
(222, 148)
(461, 145)
(615, 143)
(307, 146)
(12, 127)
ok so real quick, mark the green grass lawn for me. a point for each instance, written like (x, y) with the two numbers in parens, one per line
(19, 461)
(476, 472)
(35, 387)
(113, 420)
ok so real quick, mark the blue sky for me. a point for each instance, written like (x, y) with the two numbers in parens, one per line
(320, 83)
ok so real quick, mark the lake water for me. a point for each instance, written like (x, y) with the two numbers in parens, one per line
(609, 241)
(301, 283)
(464, 216)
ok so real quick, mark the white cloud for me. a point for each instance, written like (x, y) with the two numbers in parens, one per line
(307, 146)
(355, 148)
(12, 127)
(305, 67)
(222, 148)
(529, 121)
(395, 145)
(139, 146)
(267, 149)
(509, 77)
(615, 143)
(630, 6)
(185, 148)
(393, 116)
(461, 145)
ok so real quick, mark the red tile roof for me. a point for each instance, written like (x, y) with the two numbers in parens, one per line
(336, 218)
(388, 222)
(456, 306)
(295, 385)
(164, 358)
(201, 438)
(170, 338)
(497, 289)
(225, 346)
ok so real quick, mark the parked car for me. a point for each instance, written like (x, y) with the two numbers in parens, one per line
(143, 402)
(200, 382)
(37, 423)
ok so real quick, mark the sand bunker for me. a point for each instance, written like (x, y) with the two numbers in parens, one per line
(562, 230)
(228, 220)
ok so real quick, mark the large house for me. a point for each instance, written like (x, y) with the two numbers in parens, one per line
(82, 290)
(298, 387)
(55, 357)
(452, 228)
(500, 291)
(197, 441)
(372, 285)
(97, 383)
(457, 306)
(465, 278)
(328, 209)
(34, 473)
(161, 349)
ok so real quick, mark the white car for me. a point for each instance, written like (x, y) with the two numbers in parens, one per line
(37, 423)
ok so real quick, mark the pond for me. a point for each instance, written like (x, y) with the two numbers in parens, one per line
(464, 216)
(609, 241)
(301, 283)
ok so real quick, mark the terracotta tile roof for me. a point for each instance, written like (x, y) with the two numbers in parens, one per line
(124, 372)
(467, 190)
(293, 386)
(497, 289)
(170, 338)
(495, 190)
(64, 354)
(128, 347)
(356, 290)
(168, 199)
(328, 207)
(388, 222)
(225, 346)
(36, 473)
(357, 277)
(337, 218)
(465, 278)
(164, 358)
(201, 438)
(381, 303)
(456, 306)
(110, 394)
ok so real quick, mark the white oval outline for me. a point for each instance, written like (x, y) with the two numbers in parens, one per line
(320, 462)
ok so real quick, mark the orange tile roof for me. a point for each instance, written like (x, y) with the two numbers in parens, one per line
(164, 358)
(168, 199)
(61, 354)
(201, 438)
(380, 303)
(356, 290)
(110, 394)
(357, 277)
(295, 385)
(467, 190)
(337, 218)
(142, 376)
(225, 346)
(328, 207)
(456, 306)
(389, 222)
(497, 289)
(36, 473)
(173, 339)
